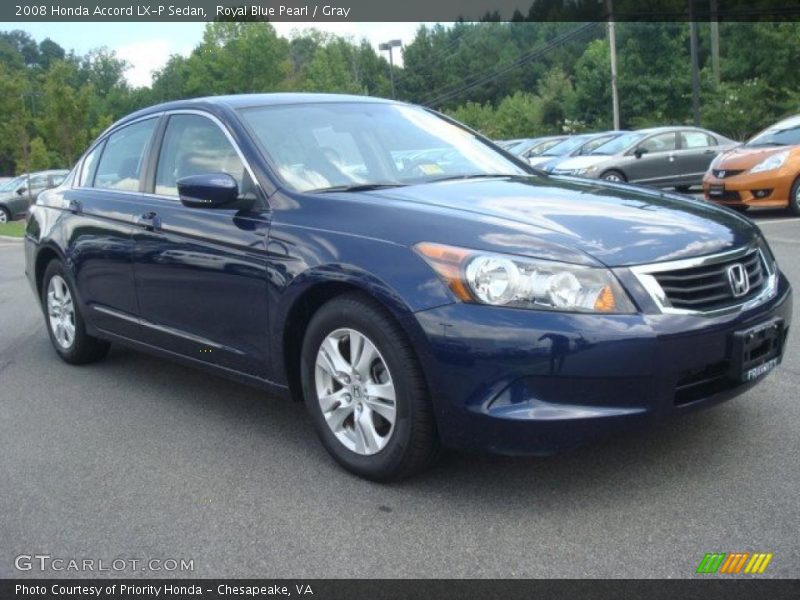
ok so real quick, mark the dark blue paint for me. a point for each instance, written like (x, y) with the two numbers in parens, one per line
(216, 287)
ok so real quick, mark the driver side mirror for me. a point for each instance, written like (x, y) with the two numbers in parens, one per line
(640, 151)
(208, 190)
(21, 190)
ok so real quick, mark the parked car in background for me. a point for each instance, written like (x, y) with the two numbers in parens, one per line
(19, 193)
(660, 156)
(506, 144)
(528, 149)
(454, 300)
(575, 145)
(765, 171)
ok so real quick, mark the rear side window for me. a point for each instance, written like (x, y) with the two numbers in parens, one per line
(194, 145)
(696, 139)
(123, 157)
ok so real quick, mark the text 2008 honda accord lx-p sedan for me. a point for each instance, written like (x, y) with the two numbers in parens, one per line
(417, 287)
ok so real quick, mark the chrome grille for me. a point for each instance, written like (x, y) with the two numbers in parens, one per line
(708, 287)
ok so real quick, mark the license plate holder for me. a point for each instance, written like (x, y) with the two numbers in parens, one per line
(716, 189)
(757, 350)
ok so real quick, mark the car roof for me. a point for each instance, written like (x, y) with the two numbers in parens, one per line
(237, 101)
(668, 128)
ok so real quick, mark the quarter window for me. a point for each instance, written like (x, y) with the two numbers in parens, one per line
(194, 145)
(123, 157)
(89, 163)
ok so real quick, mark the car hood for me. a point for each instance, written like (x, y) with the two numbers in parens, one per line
(742, 158)
(614, 224)
(581, 162)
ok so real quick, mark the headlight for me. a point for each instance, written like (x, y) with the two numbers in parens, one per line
(513, 281)
(586, 171)
(773, 162)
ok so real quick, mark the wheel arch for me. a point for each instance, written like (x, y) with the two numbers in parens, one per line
(305, 298)
(44, 256)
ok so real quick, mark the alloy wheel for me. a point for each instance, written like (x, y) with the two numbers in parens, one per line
(3, 216)
(355, 391)
(61, 312)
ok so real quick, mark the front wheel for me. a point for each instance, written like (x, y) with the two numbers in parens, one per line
(794, 198)
(5, 215)
(65, 323)
(365, 391)
(613, 175)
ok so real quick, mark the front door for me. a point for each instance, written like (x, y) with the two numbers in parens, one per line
(657, 164)
(201, 273)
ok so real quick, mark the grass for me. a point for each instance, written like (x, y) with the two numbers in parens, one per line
(13, 229)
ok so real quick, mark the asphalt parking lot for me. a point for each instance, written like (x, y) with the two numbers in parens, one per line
(139, 458)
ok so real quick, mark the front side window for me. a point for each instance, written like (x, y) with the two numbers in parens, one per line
(328, 145)
(194, 145)
(663, 142)
(123, 157)
(37, 183)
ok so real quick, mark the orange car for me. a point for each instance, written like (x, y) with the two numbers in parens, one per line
(765, 171)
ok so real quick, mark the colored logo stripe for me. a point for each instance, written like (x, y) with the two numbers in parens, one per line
(733, 562)
(758, 563)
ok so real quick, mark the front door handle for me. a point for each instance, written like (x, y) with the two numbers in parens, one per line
(149, 221)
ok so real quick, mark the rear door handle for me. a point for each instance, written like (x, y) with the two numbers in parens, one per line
(149, 221)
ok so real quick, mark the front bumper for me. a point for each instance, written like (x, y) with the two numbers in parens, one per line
(512, 381)
(744, 189)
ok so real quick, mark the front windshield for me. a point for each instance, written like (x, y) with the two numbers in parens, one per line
(618, 144)
(594, 143)
(13, 184)
(784, 134)
(333, 145)
(566, 146)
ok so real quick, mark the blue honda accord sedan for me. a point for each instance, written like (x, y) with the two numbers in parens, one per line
(413, 284)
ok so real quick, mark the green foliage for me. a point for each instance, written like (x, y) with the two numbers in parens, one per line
(505, 79)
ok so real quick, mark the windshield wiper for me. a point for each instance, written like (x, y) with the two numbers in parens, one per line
(765, 144)
(472, 176)
(357, 187)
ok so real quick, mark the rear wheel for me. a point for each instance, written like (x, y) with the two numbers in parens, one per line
(365, 391)
(64, 321)
(5, 215)
(794, 198)
(613, 175)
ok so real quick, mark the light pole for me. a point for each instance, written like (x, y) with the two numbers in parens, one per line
(388, 46)
(612, 46)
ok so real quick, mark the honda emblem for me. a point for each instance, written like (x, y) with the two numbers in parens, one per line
(738, 280)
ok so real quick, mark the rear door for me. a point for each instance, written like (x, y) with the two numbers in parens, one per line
(658, 164)
(201, 274)
(99, 231)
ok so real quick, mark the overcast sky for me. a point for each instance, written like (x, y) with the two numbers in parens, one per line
(147, 46)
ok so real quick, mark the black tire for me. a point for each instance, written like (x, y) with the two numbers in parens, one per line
(794, 198)
(413, 444)
(5, 213)
(84, 348)
(614, 175)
